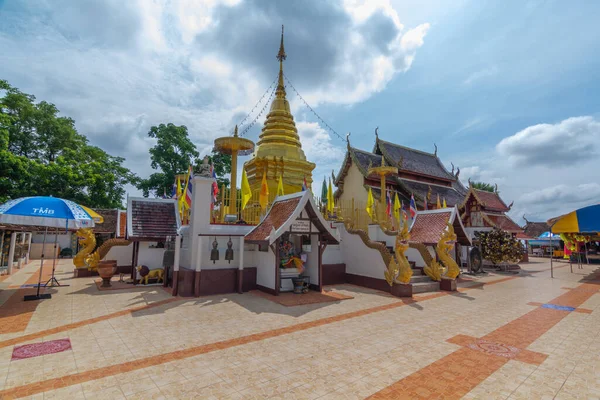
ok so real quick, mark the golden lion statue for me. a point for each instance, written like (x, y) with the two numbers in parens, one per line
(152, 274)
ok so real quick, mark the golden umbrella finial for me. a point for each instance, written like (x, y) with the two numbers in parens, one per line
(233, 146)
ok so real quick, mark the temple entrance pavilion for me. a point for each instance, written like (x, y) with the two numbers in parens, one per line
(291, 240)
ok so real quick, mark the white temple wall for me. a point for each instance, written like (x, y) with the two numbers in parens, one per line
(353, 186)
(123, 254)
(312, 260)
(333, 255)
(360, 259)
(150, 257)
(414, 255)
(265, 268)
(64, 239)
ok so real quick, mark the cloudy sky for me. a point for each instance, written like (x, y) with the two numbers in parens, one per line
(508, 90)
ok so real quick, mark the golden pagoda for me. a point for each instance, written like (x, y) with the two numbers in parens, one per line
(279, 151)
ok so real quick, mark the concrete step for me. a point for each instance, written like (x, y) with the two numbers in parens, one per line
(418, 272)
(420, 278)
(424, 287)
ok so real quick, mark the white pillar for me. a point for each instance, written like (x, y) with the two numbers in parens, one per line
(198, 252)
(1, 246)
(200, 218)
(11, 252)
(177, 253)
(29, 235)
(241, 257)
(21, 256)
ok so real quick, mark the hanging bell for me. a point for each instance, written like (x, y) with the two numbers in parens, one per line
(229, 251)
(214, 253)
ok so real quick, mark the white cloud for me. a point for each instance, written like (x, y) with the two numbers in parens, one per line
(568, 142)
(119, 69)
(481, 75)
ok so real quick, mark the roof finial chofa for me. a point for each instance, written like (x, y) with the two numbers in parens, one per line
(435, 152)
(376, 132)
(281, 55)
(280, 92)
(452, 168)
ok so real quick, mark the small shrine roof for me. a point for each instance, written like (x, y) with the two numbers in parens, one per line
(489, 200)
(110, 221)
(428, 226)
(535, 229)
(413, 160)
(152, 219)
(283, 212)
(503, 222)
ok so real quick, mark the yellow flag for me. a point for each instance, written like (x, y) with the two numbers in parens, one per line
(370, 204)
(438, 202)
(280, 187)
(397, 207)
(445, 206)
(246, 192)
(264, 192)
(330, 204)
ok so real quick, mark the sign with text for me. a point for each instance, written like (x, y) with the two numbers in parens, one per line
(300, 226)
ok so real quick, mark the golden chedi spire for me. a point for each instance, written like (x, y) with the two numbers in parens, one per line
(279, 151)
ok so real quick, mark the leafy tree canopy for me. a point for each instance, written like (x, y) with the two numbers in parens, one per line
(172, 155)
(488, 187)
(42, 154)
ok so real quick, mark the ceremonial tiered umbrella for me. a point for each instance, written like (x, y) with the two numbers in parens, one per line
(49, 212)
(234, 146)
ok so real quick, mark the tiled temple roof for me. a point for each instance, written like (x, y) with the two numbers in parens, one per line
(284, 211)
(110, 221)
(535, 229)
(503, 222)
(428, 226)
(420, 189)
(416, 161)
(280, 212)
(152, 219)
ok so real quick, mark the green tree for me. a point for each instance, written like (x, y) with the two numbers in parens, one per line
(41, 154)
(171, 155)
(222, 164)
(488, 187)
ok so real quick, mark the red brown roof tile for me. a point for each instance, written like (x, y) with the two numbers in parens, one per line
(491, 200)
(505, 223)
(279, 213)
(152, 219)
(428, 227)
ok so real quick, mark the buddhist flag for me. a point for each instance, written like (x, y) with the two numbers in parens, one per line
(397, 207)
(178, 189)
(246, 192)
(264, 192)
(425, 202)
(438, 202)
(445, 206)
(330, 197)
(370, 204)
(188, 188)
(388, 199)
(413, 206)
(304, 185)
(324, 192)
(280, 187)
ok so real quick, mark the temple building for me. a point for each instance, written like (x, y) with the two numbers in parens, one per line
(482, 210)
(279, 151)
(418, 173)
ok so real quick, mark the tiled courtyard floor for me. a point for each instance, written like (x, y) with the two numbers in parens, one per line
(501, 336)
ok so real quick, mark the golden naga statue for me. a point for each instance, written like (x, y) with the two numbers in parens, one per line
(399, 270)
(87, 257)
(88, 240)
(435, 270)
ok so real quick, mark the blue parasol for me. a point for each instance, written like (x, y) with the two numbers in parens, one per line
(50, 212)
